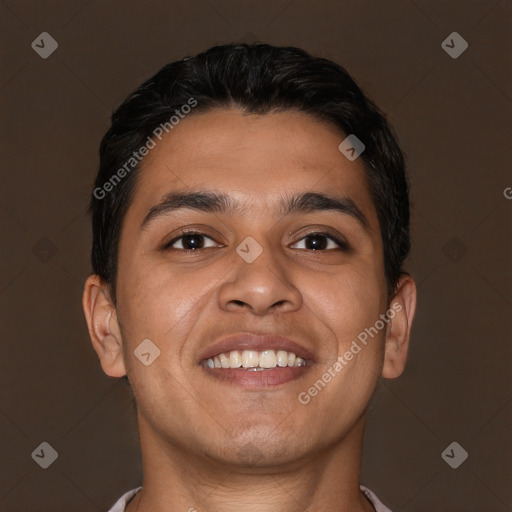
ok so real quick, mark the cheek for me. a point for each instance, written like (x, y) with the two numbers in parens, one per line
(350, 305)
(347, 301)
(153, 300)
(164, 304)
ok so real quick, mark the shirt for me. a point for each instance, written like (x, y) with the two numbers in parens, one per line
(121, 503)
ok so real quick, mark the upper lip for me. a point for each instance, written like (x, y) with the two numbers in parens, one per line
(258, 342)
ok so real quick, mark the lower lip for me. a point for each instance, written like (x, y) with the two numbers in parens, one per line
(258, 379)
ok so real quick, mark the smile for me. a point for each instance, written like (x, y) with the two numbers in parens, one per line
(254, 360)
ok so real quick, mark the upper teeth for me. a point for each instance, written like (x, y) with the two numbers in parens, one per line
(255, 359)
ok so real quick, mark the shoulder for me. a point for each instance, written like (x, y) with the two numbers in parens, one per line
(120, 504)
(379, 506)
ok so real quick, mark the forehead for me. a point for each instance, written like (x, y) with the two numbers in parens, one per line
(254, 158)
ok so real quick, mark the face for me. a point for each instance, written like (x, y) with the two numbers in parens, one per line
(261, 276)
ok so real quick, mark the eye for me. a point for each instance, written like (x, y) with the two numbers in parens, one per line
(190, 241)
(320, 242)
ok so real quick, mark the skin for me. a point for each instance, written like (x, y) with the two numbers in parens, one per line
(210, 445)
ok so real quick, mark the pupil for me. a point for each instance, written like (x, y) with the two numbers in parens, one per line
(192, 241)
(316, 242)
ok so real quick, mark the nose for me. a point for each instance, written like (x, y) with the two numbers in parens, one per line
(262, 287)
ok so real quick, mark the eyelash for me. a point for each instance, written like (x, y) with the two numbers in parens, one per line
(342, 244)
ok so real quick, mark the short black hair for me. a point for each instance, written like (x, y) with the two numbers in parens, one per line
(257, 79)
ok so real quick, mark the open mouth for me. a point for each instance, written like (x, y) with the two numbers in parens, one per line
(255, 360)
(256, 369)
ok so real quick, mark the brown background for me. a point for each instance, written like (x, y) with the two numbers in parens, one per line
(453, 121)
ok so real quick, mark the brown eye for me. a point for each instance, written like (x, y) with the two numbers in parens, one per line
(320, 242)
(190, 242)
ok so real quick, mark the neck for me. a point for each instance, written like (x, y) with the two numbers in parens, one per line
(327, 480)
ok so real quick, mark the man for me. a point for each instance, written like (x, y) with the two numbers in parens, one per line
(250, 223)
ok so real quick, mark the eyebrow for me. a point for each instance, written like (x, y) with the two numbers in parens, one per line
(220, 202)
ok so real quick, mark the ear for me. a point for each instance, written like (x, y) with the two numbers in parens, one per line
(398, 333)
(101, 317)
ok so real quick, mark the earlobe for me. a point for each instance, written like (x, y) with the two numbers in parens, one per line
(398, 334)
(101, 318)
